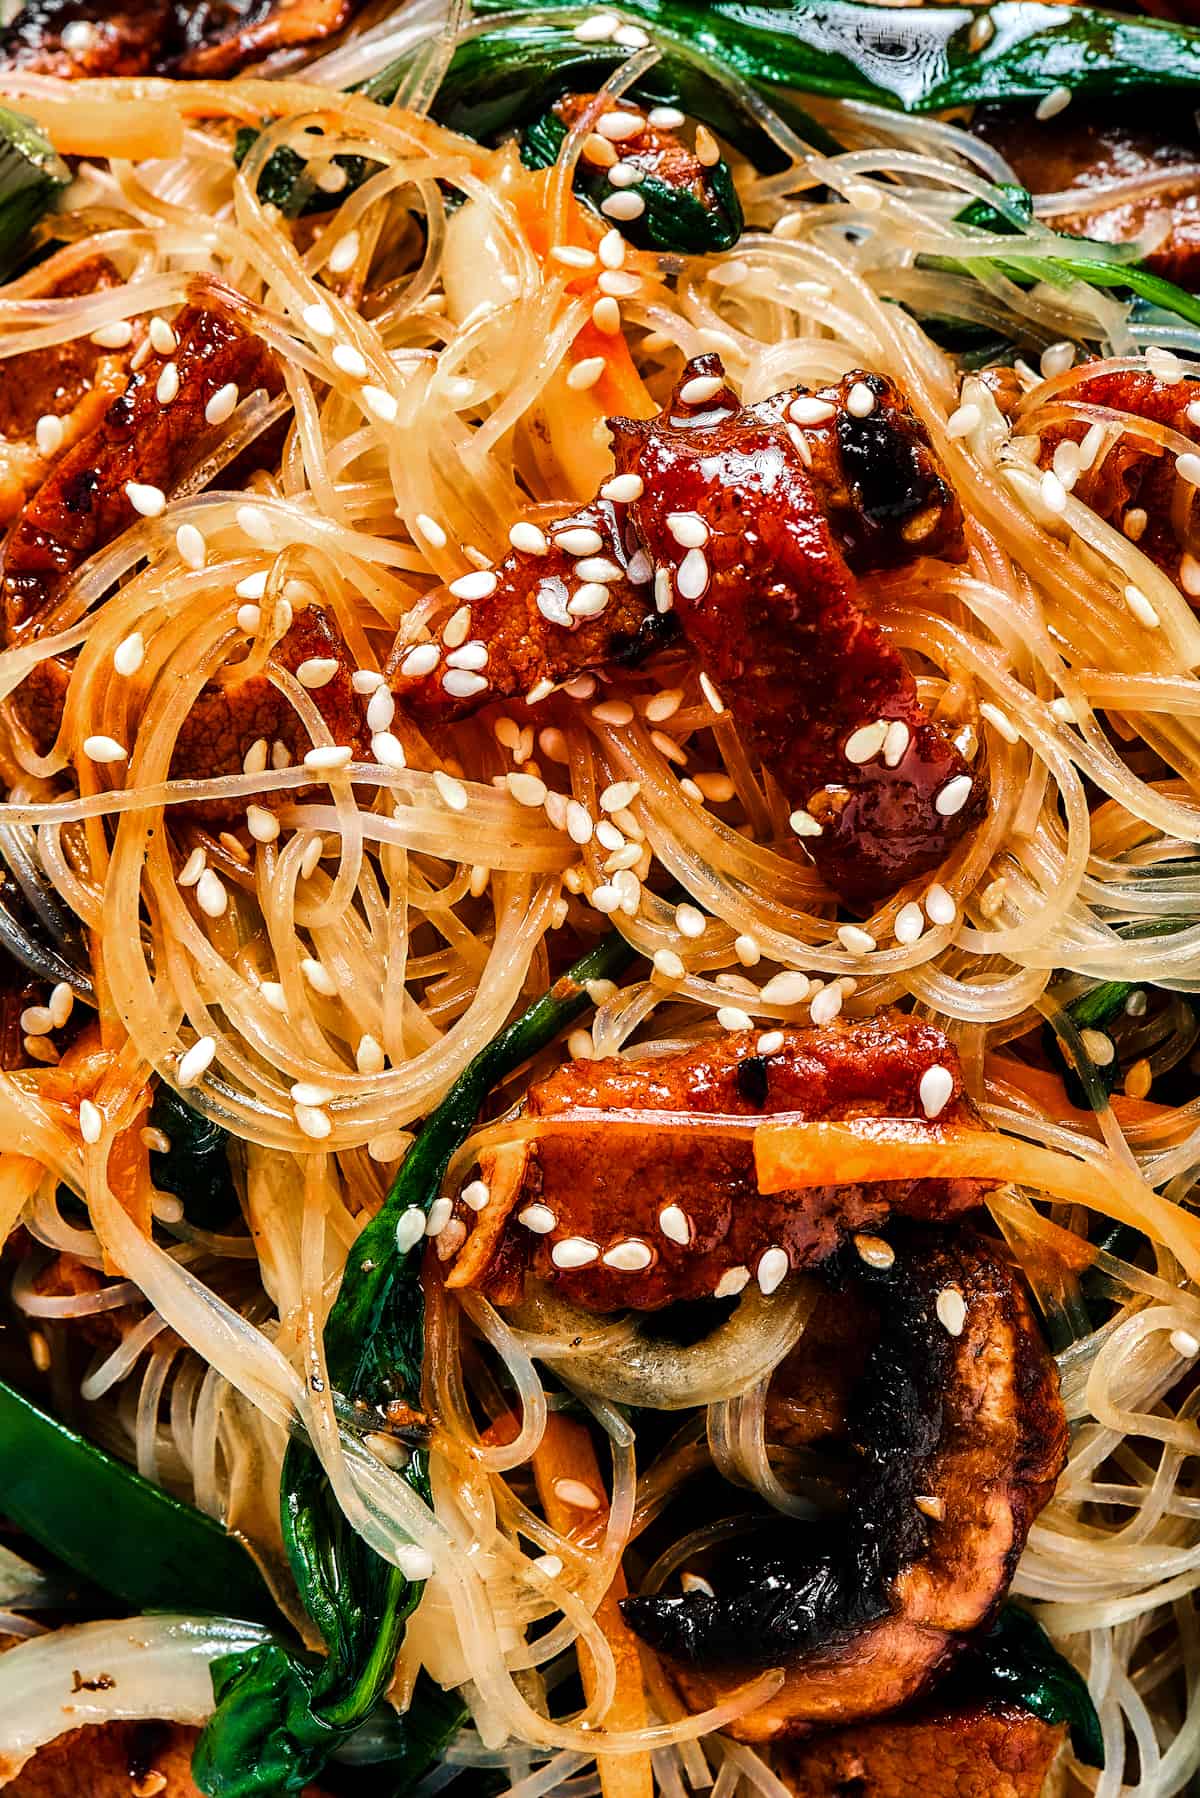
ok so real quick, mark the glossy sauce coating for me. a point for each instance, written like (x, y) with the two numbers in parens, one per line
(1137, 476)
(84, 504)
(615, 1184)
(772, 609)
(986, 1750)
(525, 624)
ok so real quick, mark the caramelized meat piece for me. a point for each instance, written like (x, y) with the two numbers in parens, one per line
(980, 1751)
(601, 1210)
(960, 1436)
(766, 598)
(528, 628)
(114, 1760)
(168, 37)
(85, 504)
(1134, 486)
(1089, 152)
(72, 382)
(809, 1396)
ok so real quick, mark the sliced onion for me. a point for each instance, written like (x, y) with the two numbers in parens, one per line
(646, 1370)
(139, 1667)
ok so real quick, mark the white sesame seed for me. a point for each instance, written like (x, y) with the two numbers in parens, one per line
(192, 868)
(317, 672)
(732, 1017)
(529, 539)
(1098, 1047)
(585, 373)
(1053, 103)
(700, 388)
(1135, 520)
(589, 601)
(313, 1121)
(618, 126)
(116, 336)
(460, 683)
(344, 253)
(410, 1228)
(62, 1002)
(103, 749)
(538, 1218)
(1141, 608)
(49, 434)
(471, 655)
(935, 1090)
(478, 585)
(826, 1004)
(1054, 494)
(318, 976)
(380, 403)
(262, 824)
(191, 546)
(420, 661)
(527, 790)
(620, 794)
(319, 319)
(788, 988)
(381, 709)
(629, 1257)
(196, 1061)
(808, 410)
(388, 750)
(866, 742)
(574, 1492)
(939, 905)
(951, 1310)
(910, 924)
(674, 1224)
(623, 489)
(895, 744)
(1187, 467)
(690, 921)
(1056, 359)
(579, 540)
(550, 1565)
(688, 529)
(606, 314)
(953, 796)
(860, 401)
(248, 619)
(476, 1194)
(708, 151)
(1000, 721)
(163, 340)
(91, 1123)
(36, 1020)
(748, 950)
(274, 995)
(667, 118)
(855, 940)
(769, 1043)
(327, 758)
(772, 1270)
(306, 1092)
(211, 896)
(668, 964)
(439, 1216)
(450, 791)
(731, 1282)
(611, 249)
(805, 825)
(129, 655)
(149, 501)
(573, 256)
(631, 37)
(350, 361)
(574, 1251)
(310, 860)
(1189, 575)
(1185, 1344)
(692, 576)
(641, 568)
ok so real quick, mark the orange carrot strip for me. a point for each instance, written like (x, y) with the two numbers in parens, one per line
(566, 1458)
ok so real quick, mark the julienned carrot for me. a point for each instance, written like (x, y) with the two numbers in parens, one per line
(1049, 1093)
(566, 1469)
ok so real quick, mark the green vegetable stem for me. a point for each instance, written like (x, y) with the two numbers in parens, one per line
(32, 174)
(280, 1713)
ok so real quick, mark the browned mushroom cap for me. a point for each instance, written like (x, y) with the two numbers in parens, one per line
(961, 1433)
(620, 1215)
